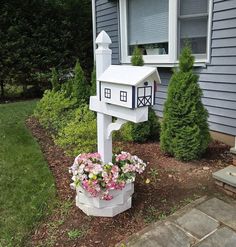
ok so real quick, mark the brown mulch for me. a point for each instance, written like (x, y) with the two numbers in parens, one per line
(172, 185)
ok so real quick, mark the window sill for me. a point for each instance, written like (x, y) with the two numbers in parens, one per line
(169, 64)
(164, 61)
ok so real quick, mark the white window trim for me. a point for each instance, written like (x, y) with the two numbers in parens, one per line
(168, 60)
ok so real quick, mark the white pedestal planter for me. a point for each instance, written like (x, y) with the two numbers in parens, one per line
(93, 206)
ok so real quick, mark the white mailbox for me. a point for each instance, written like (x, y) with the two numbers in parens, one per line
(128, 86)
(123, 92)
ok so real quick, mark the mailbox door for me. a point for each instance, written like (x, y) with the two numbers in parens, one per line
(144, 96)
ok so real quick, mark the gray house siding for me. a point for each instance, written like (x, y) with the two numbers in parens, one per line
(218, 79)
(107, 18)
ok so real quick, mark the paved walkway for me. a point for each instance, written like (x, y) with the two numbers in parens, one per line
(203, 223)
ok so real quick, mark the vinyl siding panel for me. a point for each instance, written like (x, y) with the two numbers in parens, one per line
(107, 19)
(217, 79)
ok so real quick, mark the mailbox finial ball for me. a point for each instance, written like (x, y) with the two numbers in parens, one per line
(103, 38)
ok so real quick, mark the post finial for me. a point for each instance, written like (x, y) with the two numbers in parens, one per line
(103, 39)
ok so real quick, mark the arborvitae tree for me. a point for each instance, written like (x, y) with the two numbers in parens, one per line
(93, 82)
(185, 132)
(55, 80)
(137, 57)
(150, 129)
(80, 88)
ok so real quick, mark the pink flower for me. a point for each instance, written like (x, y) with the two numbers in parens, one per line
(98, 178)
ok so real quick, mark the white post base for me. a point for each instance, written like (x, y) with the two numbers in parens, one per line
(93, 206)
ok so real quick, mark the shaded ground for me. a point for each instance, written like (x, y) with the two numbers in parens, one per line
(172, 185)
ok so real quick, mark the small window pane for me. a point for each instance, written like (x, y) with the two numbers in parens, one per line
(107, 93)
(148, 91)
(198, 45)
(147, 26)
(189, 7)
(141, 92)
(123, 96)
(193, 28)
(194, 31)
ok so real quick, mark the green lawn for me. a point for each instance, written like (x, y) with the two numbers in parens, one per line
(26, 184)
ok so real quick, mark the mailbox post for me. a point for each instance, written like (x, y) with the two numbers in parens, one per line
(124, 92)
(103, 61)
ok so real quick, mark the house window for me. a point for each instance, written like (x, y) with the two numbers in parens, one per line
(123, 96)
(147, 26)
(107, 93)
(162, 27)
(193, 24)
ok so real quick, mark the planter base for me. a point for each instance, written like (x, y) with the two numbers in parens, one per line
(92, 206)
(105, 212)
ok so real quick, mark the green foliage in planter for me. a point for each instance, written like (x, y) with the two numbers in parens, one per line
(55, 80)
(185, 132)
(54, 110)
(149, 130)
(79, 135)
(137, 57)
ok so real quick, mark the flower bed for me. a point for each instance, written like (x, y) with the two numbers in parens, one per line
(99, 179)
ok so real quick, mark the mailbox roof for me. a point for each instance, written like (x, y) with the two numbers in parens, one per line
(129, 75)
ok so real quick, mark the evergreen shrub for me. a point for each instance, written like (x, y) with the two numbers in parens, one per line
(137, 57)
(185, 132)
(77, 87)
(124, 134)
(55, 81)
(54, 110)
(149, 130)
(79, 135)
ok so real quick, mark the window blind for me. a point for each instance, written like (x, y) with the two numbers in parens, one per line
(148, 21)
(193, 24)
(193, 28)
(190, 7)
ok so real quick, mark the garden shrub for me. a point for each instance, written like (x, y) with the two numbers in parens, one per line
(55, 80)
(54, 110)
(79, 135)
(13, 91)
(185, 131)
(137, 58)
(77, 87)
(149, 130)
(124, 134)
(80, 89)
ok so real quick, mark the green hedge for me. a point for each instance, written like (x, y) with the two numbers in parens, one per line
(79, 135)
